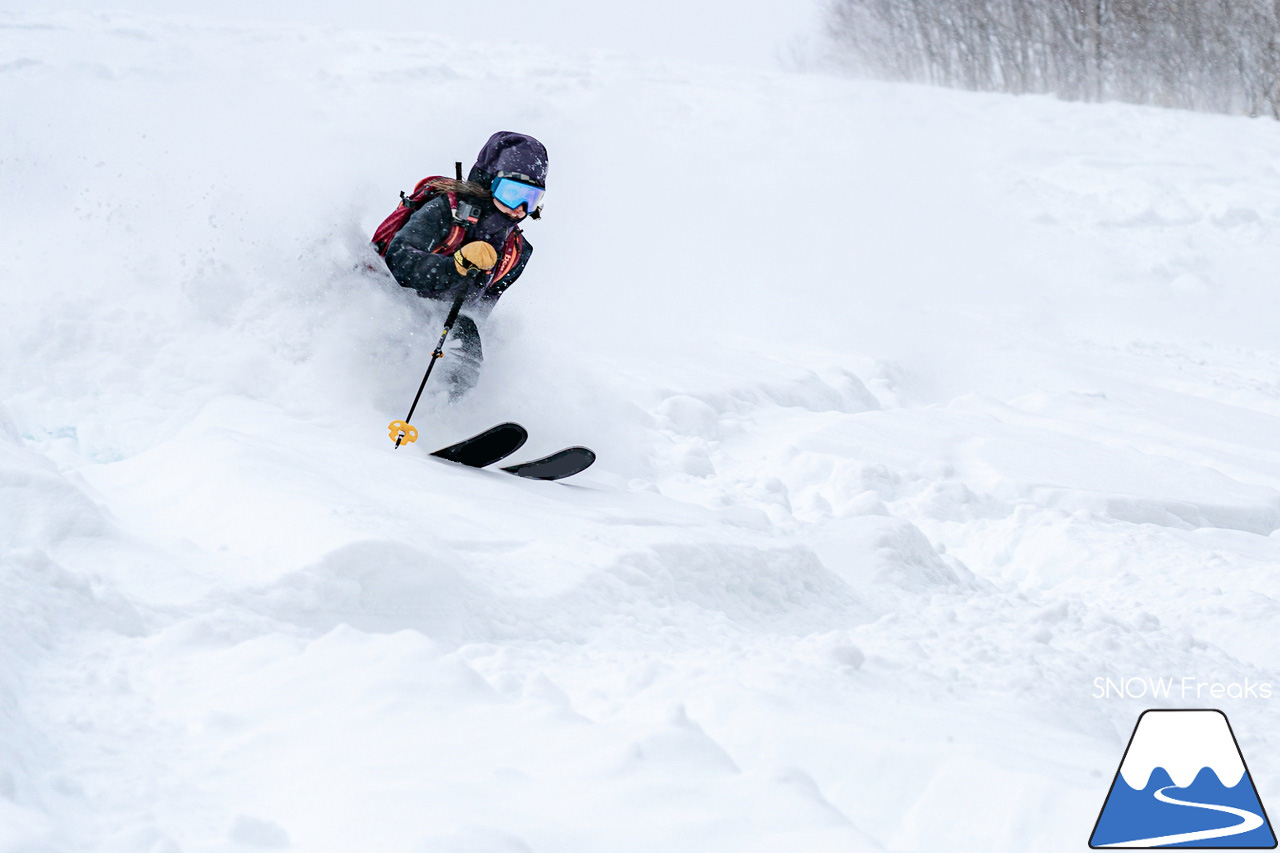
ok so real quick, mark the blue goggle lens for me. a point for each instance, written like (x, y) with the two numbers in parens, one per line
(514, 193)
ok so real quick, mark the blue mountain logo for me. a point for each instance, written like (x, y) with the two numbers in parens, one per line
(1183, 783)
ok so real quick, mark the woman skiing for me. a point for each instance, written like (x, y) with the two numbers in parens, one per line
(464, 241)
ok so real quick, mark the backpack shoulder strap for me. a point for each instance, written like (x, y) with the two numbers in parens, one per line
(457, 233)
(511, 250)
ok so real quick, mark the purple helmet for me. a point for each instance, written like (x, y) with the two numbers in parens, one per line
(510, 155)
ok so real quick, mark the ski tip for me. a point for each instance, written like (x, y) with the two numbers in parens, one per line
(485, 448)
(556, 466)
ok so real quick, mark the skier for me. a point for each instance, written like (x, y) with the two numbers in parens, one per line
(505, 186)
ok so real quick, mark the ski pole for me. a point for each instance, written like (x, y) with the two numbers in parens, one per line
(401, 430)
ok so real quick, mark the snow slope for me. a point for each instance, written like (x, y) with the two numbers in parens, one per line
(917, 412)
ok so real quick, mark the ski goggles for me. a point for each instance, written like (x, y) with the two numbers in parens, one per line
(514, 193)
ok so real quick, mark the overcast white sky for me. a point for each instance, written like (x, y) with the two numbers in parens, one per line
(741, 32)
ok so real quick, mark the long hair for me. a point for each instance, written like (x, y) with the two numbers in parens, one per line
(473, 190)
(466, 188)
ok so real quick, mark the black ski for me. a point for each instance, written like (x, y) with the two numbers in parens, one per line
(556, 466)
(488, 447)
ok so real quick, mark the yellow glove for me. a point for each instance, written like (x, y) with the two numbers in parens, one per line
(476, 255)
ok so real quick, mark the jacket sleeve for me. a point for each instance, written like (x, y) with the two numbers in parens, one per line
(409, 256)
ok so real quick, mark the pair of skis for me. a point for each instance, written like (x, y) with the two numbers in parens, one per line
(499, 442)
(495, 443)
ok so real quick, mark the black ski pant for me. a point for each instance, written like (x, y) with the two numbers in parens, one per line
(463, 357)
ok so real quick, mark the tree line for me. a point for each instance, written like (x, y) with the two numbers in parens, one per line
(1215, 55)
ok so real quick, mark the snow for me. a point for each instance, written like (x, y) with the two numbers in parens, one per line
(917, 412)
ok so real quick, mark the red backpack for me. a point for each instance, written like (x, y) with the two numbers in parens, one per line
(464, 215)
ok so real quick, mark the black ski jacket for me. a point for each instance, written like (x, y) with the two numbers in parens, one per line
(434, 276)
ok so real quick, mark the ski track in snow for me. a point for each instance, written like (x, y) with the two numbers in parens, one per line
(873, 508)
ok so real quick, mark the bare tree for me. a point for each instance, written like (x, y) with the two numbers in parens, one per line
(1219, 55)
